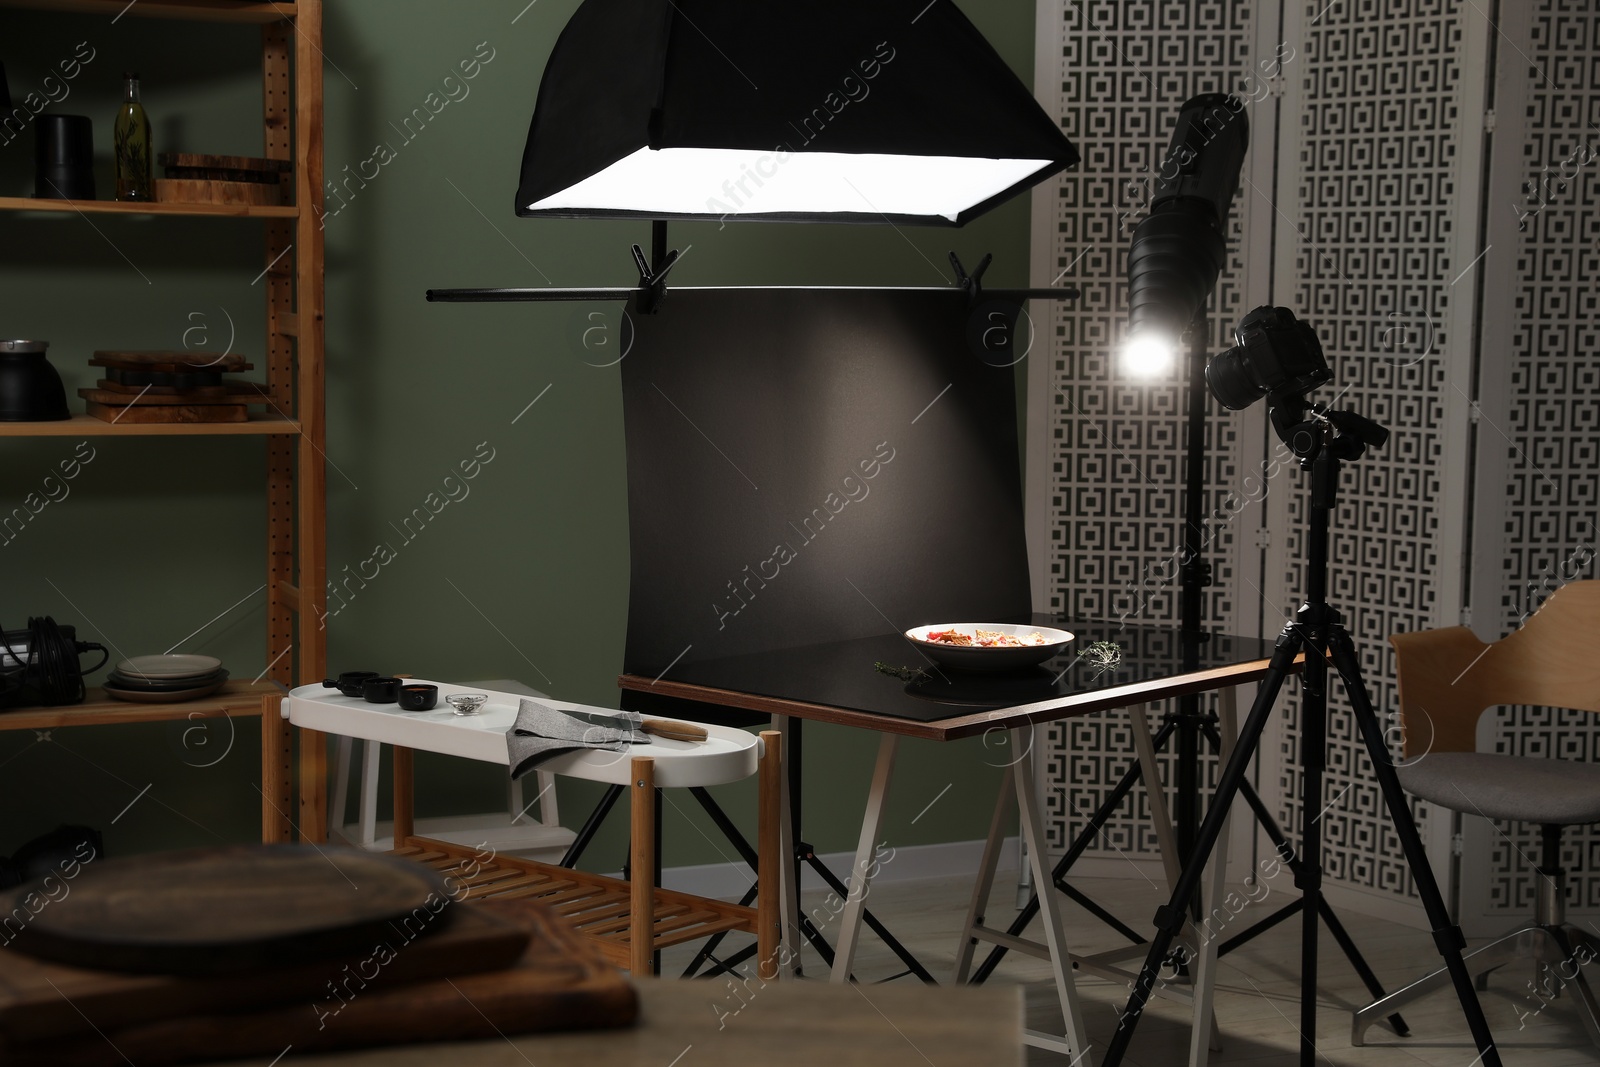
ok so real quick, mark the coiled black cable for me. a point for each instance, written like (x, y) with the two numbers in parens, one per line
(49, 671)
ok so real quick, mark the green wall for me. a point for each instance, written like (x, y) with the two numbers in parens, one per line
(527, 576)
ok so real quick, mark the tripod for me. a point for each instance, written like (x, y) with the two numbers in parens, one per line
(1321, 440)
(1188, 727)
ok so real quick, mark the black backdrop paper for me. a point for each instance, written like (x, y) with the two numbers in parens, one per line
(809, 465)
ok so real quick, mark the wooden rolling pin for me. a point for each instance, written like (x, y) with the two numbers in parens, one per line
(676, 731)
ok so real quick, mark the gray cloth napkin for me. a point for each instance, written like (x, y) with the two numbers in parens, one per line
(541, 733)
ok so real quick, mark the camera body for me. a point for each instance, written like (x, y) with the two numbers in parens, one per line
(1274, 355)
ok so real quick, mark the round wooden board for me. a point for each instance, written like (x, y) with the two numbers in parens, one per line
(212, 910)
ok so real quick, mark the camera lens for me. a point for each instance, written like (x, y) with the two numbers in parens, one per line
(1231, 382)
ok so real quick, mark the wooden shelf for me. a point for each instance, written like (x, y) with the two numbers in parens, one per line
(116, 207)
(247, 11)
(89, 426)
(235, 698)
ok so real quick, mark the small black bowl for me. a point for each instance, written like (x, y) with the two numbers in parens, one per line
(418, 697)
(381, 690)
(349, 683)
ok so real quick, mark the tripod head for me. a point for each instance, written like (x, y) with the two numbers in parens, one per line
(1309, 428)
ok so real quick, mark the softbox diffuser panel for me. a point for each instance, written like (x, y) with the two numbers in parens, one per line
(806, 465)
(702, 108)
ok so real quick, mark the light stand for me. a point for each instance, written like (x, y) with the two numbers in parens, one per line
(1322, 440)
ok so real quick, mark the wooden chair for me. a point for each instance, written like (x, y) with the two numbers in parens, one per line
(1447, 679)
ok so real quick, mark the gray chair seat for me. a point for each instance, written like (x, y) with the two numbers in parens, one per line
(1521, 788)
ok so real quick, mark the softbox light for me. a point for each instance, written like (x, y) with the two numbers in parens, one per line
(837, 110)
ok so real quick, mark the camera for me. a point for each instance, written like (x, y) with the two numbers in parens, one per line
(1274, 355)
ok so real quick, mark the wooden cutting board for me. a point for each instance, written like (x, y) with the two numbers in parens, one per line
(239, 389)
(216, 191)
(231, 168)
(561, 983)
(169, 413)
(150, 359)
(40, 1000)
(117, 399)
(153, 399)
(228, 909)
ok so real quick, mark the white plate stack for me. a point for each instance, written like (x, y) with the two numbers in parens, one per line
(165, 679)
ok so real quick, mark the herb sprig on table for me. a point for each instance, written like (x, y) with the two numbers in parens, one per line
(905, 674)
(1103, 653)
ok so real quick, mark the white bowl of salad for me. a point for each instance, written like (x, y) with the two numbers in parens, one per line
(988, 646)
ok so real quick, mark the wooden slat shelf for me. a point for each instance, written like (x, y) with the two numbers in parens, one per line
(596, 906)
(89, 426)
(117, 207)
(235, 698)
(246, 11)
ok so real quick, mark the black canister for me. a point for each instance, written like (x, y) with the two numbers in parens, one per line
(63, 157)
(30, 388)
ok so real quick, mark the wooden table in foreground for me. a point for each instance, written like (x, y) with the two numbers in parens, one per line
(840, 682)
(784, 1024)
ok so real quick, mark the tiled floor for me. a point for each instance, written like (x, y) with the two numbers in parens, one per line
(1257, 994)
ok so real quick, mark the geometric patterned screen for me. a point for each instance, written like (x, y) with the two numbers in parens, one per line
(1551, 437)
(1379, 234)
(1372, 196)
(1116, 77)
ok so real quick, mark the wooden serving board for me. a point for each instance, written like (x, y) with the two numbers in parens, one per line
(560, 983)
(240, 389)
(106, 385)
(213, 191)
(216, 910)
(187, 413)
(151, 399)
(187, 163)
(40, 1000)
(154, 359)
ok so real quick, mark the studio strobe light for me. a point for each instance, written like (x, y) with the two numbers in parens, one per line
(1178, 250)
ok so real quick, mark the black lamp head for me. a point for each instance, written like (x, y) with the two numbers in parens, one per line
(1178, 250)
(835, 110)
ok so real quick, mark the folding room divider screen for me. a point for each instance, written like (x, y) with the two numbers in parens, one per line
(1420, 187)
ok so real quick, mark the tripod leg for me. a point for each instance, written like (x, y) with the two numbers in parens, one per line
(1291, 860)
(1445, 935)
(1170, 917)
(1313, 731)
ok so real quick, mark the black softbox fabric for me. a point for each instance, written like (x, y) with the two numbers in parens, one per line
(630, 74)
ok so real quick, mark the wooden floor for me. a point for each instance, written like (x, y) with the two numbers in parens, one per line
(1258, 991)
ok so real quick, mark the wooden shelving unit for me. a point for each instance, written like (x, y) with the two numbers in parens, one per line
(248, 11)
(89, 426)
(112, 207)
(235, 698)
(296, 479)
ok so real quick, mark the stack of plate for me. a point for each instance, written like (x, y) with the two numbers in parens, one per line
(165, 679)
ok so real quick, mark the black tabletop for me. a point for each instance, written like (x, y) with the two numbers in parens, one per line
(845, 675)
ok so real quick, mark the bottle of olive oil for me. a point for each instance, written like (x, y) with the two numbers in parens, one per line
(132, 143)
